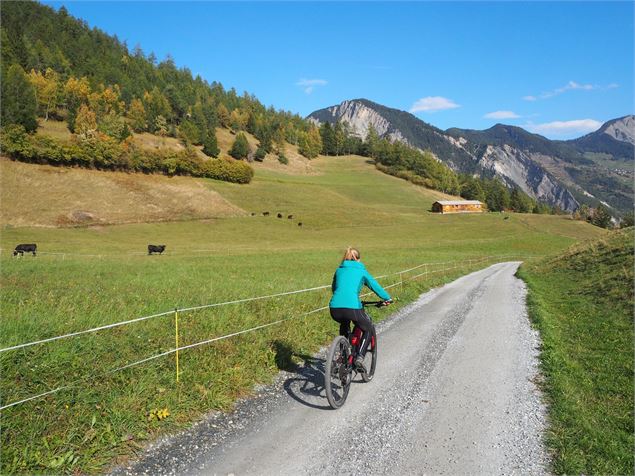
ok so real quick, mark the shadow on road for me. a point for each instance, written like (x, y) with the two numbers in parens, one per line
(307, 385)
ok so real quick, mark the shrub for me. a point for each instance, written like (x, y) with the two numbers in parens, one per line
(227, 170)
(283, 159)
(260, 154)
(104, 152)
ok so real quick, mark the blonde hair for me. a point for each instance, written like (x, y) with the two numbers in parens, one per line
(351, 254)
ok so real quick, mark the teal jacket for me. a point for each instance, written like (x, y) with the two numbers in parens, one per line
(347, 283)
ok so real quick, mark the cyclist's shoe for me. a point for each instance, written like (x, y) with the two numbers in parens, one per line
(359, 363)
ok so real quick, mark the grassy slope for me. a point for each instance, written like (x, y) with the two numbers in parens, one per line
(343, 201)
(582, 302)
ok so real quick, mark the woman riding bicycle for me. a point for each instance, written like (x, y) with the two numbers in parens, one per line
(345, 305)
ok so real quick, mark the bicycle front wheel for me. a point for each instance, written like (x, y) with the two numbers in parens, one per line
(338, 372)
(370, 360)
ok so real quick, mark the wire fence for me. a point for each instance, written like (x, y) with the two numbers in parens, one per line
(456, 264)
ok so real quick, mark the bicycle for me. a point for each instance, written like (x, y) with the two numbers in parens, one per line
(340, 368)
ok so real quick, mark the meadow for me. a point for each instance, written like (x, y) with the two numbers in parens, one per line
(91, 276)
(582, 303)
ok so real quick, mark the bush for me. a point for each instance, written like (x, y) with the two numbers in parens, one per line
(227, 170)
(260, 154)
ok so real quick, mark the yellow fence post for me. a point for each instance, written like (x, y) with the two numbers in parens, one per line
(176, 338)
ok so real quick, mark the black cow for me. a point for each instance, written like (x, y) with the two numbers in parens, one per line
(25, 248)
(265, 214)
(279, 215)
(290, 217)
(300, 224)
(156, 249)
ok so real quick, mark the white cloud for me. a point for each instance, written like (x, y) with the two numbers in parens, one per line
(433, 104)
(308, 85)
(570, 86)
(501, 115)
(564, 128)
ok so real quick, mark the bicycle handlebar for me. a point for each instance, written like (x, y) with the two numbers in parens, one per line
(376, 303)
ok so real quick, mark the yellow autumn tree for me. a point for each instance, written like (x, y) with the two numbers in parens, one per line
(85, 123)
(47, 90)
(137, 115)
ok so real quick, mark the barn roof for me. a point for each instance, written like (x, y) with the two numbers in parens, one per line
(459, 202)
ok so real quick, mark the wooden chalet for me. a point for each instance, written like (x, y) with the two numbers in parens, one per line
(457, 206)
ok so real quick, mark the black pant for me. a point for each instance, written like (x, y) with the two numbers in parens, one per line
(344, 316)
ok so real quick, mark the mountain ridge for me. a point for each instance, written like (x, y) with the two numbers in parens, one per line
(559, 172)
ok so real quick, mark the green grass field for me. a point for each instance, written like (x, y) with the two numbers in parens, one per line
(103, 276)
(582, 303)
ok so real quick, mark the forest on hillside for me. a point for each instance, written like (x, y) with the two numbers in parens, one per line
(55, 66)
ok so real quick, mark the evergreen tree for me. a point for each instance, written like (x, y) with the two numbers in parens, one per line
(210, 144)
(372, 139)
(497, 196)
(260, 154)
(601, 217)
(520, 202)
(160, 126)
(19, 103)
(471, 189)
(156, 104)
(627, 220)
(329, 146)
(240, 149)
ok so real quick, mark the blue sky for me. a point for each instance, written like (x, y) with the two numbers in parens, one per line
(558, 69)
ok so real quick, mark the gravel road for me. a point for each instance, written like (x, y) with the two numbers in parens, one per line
(453, 393)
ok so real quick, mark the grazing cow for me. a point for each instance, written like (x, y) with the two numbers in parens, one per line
(25, 248)
(279, 215)
(265, 214)
(299, 223)
(506, 218)
(253, 214)
(290, 217)
(156, 249)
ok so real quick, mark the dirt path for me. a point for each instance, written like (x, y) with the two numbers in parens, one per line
(453, 394)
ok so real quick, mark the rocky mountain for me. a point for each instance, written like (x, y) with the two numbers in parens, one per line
(615, 138)
(592, 169)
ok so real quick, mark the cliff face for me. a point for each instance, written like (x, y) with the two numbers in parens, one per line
(359, 116)
(508, 153)
(622, 129)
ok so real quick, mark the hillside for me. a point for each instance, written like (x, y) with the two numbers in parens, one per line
(582, 302)
(593, 169)
(91, 276)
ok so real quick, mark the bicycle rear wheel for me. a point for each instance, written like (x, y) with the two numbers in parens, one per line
(370, 360)
(337, 372)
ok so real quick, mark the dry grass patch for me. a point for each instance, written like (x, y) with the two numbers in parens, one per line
(42, 195)
(298, 164)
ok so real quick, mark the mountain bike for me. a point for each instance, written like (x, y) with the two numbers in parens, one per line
(340, 368)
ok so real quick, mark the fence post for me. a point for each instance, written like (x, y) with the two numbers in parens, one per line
(176, 338)
(401, 281)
